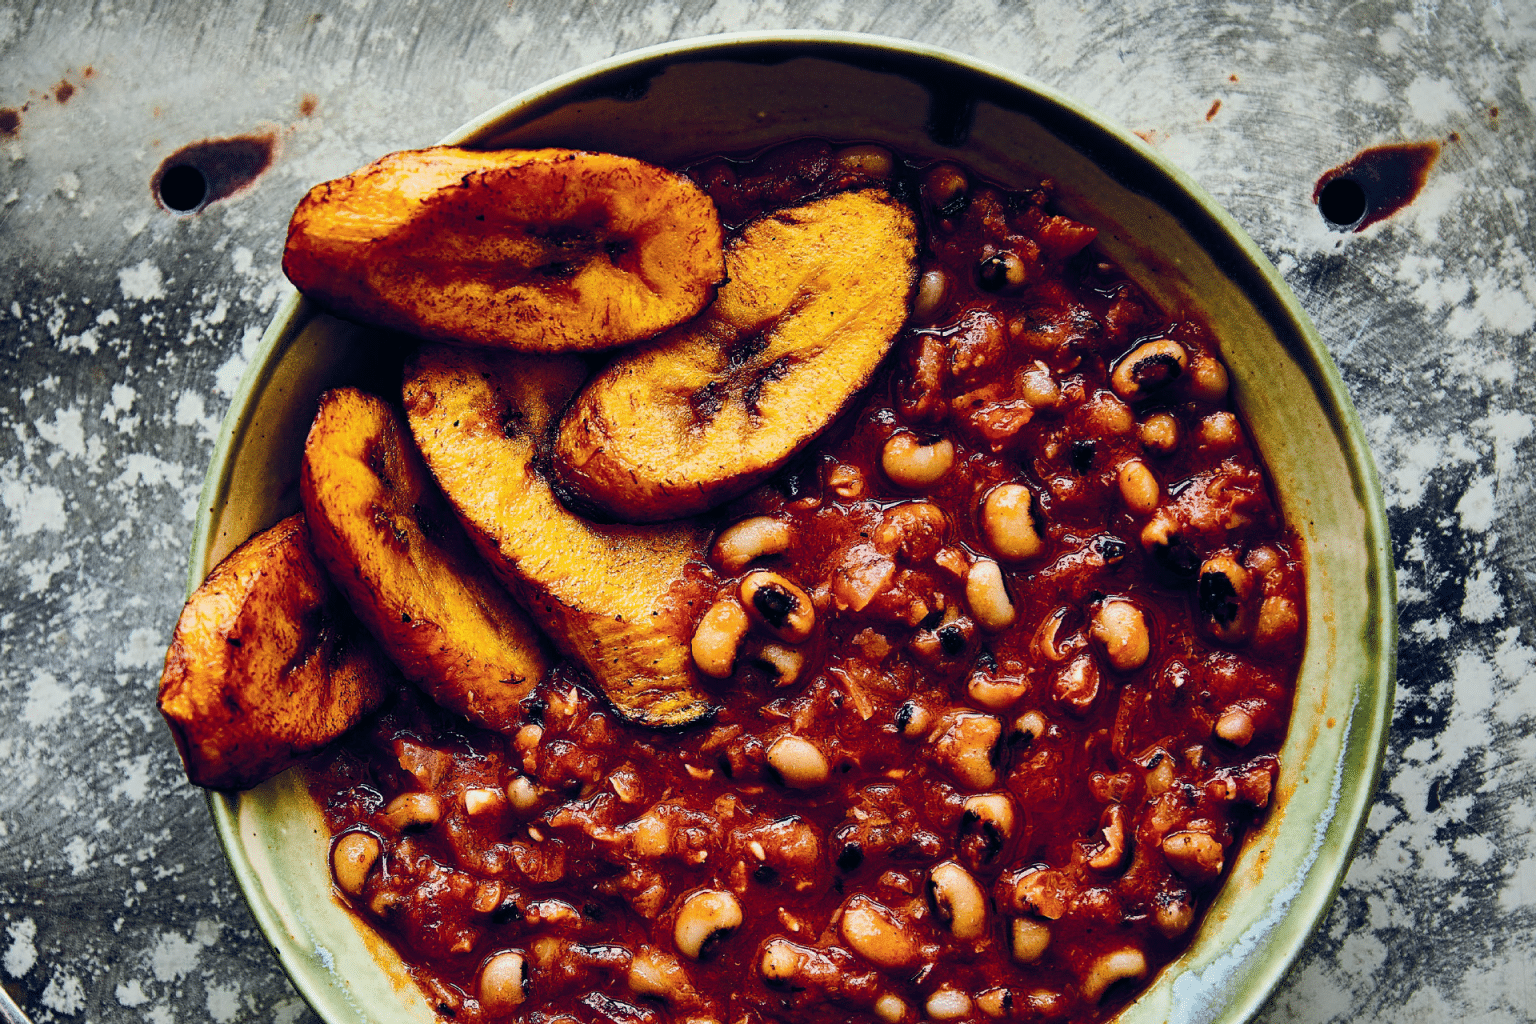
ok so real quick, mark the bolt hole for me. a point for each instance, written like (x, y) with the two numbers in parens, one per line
(1342, 203)
(183, 188)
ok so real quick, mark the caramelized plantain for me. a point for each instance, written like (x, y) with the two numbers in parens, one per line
(545, 250)
(383, 531)
(620, 600)
(266, 663)
(815, 298)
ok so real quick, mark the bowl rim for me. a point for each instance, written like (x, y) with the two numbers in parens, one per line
(1176, 191)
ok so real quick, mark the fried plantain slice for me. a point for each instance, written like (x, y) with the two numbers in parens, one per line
(266, 663)
(620, 600)
(815, 298)
(546, 250)
(393, 546)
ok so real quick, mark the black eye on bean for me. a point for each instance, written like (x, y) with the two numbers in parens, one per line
(851, 857)
(1218, 598)
(1111, 550)
(1081, 455)
(952, 640)
(773, 604)
(765, 875)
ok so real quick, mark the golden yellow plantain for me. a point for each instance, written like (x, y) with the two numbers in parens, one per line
(266, 663)
(620, 600)
(392, 545)
(815, 298)
(545, 250)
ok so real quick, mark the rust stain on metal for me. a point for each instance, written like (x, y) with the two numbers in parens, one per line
(10, 121)
(227, 167)
(1215, 109)
(63, 91)
(1390, 177)
(308, 104)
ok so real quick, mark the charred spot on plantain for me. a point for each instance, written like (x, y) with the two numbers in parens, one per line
(774, 371)
(706, 402)
(744, 348)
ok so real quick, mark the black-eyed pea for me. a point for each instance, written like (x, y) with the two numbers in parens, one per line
(1163, 539)
(1219, 432)
(892, 1009)
(1159, 433)
(995, 693)
(658, 975)
(1205, 379)
(1173, 911)
(869, 160)
(986, 823)
(914, 530)
(1194, 855)
(948, 1003)
(1008, 521)
(957, 902)
(1048, 642)
(1038, 387)
(1076, 685)
(1125, 964)
(1121, 630)
(1148, 367)
(706, 918)
(526, 741)
(1028, 939)
(996, 1003)
(798, 762)
(757, 537)
(352, 859)
(779, 962)
(913, 720)
(914, 465)
(1111, 853)
(413, 812)
(1261, 561)
(783, 663)
(1235, 725)
(986, 594)
(966, 745)
(1002, 271)
(717, 639)
(1030, 726)
(875, 933)
(932, 292)
(845, 481)
(1225, 594)
(946, 189)
(1107, 416)
(524, 795)
(779, 605)
(1160, 778)
(1139, 488)
(483, 800)
(504, 983)
(1278, 624)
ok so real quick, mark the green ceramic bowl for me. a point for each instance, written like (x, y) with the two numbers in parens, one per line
(682, 100)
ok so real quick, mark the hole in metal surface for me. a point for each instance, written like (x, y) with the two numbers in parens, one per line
(183, 188)
(1342, 203)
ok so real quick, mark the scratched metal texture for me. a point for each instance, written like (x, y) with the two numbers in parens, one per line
(123, 331)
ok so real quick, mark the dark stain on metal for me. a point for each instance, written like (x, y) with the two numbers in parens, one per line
(1374, 184)
(1215, 109)
(1493, 113)
(308, 104)
(1453, 137)
(10, 121)
(202, 173)
(1231, 78)
(88, 72)
(63, 91)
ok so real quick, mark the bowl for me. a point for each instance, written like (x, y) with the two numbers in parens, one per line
(737, 93)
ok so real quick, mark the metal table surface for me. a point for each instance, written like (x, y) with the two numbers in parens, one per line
(124, 329)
